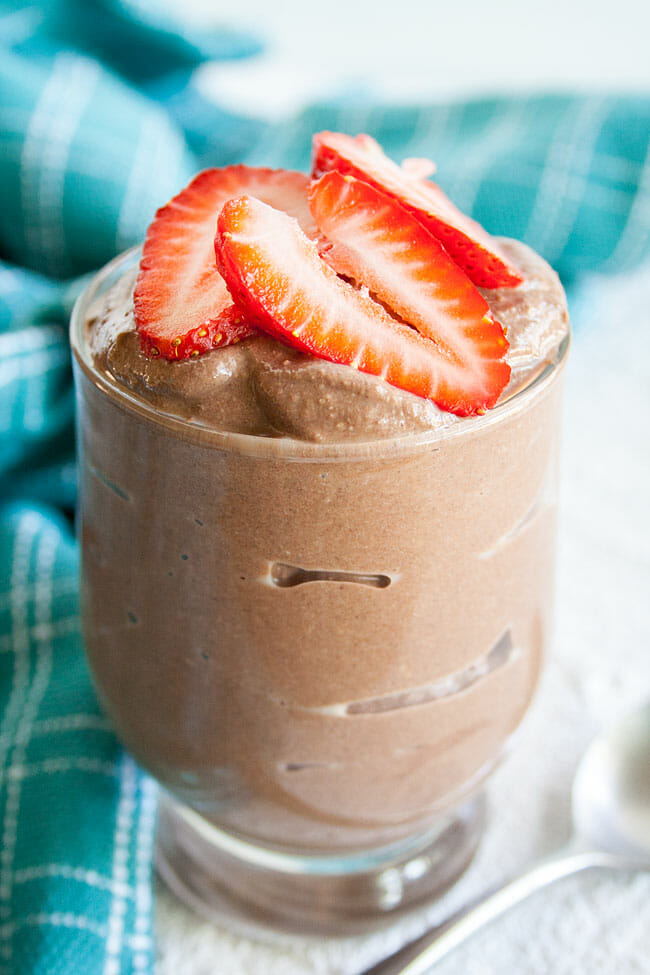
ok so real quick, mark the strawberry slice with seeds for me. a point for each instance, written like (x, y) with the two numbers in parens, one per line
(383, 247)
(227, 327)
(182, 305)
(275, 273)
(470, 246)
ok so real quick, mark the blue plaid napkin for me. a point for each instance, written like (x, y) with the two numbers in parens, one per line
(99, 124)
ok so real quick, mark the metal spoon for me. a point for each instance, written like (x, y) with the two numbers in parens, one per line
(611, 819)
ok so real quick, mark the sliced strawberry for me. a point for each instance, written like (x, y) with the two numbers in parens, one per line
(229, 326)
(182, 305)
(276, 274)
(470, 246)
(383, 247)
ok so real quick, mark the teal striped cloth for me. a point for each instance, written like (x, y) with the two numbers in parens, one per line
(100, 123)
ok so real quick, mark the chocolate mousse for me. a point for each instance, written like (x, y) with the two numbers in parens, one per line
(264, 388)
(315, 603)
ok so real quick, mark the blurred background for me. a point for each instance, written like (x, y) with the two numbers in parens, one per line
(415, 51)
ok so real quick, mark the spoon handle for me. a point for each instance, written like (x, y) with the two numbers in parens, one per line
(418, 956)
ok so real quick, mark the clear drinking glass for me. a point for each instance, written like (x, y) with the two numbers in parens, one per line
(319, 651)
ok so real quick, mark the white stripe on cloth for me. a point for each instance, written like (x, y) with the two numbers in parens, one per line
(26, 530)
(21, 556)
(39, 363)
(635, 234)
(47, 631)
(610, 199)
(55, 766)
(73, 722)
(277, 142)
(426, 132)
(141, 941)
(33, 369)
(26, 340)
(70, 722)
(13, 291)
(32, 697)
(155, 140)
(132, 193)
(51, 129)
(564, 180)
(62, 586)
(499, 132)
(618, 168)
(122, 839)
(57, 919)
(67, 872)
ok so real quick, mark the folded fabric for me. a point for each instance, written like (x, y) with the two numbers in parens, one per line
(567, 175)
(99, 124)
(88, 149)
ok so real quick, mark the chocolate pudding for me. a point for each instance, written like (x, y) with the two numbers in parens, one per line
(315, 605)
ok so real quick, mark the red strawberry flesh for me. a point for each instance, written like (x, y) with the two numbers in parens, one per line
(378, 244)
(274, 272)
(467, 243)
(182, 305)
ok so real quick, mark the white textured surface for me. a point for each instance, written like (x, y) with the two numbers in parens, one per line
(594, 924)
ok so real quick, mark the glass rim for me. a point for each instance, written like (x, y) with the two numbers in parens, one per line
(286, 447)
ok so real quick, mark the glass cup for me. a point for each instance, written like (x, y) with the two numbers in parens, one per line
(320, 651)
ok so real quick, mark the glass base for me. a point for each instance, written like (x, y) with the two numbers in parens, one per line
(258, 891)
